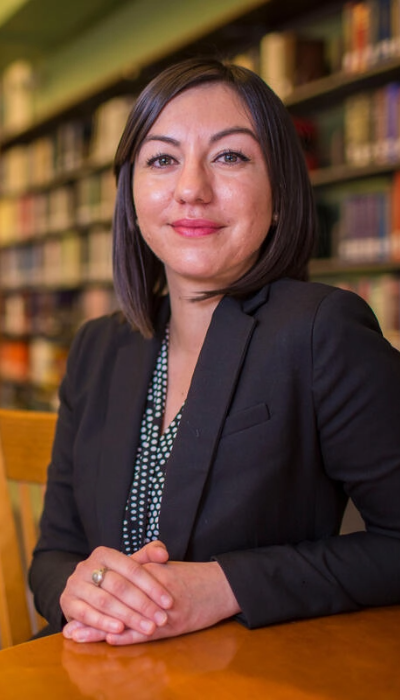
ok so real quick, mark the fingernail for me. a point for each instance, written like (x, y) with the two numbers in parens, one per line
(160, 618)
(147, 626)
(80, 636)
(166, 601)
(115, 627)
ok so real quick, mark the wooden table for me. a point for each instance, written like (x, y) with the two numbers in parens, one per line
(354, 656)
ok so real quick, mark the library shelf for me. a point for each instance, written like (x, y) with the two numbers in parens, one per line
(243, 32)
(60, 179)
(26, 394)
(323, 92)
(78, 229)
(337, 174)
(74, 286)
(333, 267)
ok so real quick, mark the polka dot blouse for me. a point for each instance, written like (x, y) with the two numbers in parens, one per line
(142, 509)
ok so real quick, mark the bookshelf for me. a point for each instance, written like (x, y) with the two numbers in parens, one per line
(57, 189)
(354, 110)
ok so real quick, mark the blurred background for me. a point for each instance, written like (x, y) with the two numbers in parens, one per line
(69, 75)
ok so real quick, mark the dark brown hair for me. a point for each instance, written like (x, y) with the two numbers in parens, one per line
(139, 276)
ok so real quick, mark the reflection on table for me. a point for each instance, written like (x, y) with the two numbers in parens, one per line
(354, 656)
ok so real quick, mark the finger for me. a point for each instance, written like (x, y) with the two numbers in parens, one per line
(79, 632)
(150, 585)
(133, 571)
(115, 605)
(72, 626)
(130, 603)
(128, 636)
(155, 551)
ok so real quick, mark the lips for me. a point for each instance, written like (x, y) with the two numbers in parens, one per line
(195, 228)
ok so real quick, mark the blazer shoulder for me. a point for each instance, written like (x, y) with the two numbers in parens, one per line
(319, 297)
(299, 309)
(301, 291)
(100, 338)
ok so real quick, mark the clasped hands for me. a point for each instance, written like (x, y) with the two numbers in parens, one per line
(144, 596)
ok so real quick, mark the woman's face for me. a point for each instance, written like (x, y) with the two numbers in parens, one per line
(201, 189)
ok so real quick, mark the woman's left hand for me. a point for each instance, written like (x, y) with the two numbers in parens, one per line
(202, 597)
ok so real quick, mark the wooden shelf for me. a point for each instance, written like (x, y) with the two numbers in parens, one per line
(28, 384)
(76, 229)
(60, 179)
(345, 173)
(324, 92)
(61, 287)
(330, 267)
(26, 337)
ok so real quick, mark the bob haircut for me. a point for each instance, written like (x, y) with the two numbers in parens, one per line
(139, 275)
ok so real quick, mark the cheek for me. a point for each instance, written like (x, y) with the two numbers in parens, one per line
(149, 198)
(245, 195)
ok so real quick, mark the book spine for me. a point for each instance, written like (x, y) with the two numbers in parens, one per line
(277, 62)
(395, 218)
(348, 60)
(384, 29)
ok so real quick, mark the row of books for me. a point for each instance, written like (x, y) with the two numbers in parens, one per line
(53, 314)
(368, 33)
(368, 224)
(38, 329)
(88, 200)
(382, 293)
(86, 142)
(372, 126)
(39, 361)
(371, 33)
(288, 59)
(17, 91)
(364, 234)
(62, 261)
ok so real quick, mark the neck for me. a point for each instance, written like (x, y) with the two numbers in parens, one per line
(189, 321)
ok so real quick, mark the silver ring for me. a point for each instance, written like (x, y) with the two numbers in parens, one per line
(98, 575)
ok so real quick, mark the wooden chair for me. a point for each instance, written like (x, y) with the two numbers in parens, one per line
(26, 438)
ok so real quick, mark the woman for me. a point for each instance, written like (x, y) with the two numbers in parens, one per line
(209, 439)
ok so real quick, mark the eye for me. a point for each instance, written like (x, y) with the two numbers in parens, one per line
(232, 157)
(161, 160)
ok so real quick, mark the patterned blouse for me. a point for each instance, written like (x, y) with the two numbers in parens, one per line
(144, 500)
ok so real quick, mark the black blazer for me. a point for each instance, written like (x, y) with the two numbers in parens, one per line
(294, 406)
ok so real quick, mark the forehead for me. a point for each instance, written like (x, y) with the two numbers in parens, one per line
(210, 105)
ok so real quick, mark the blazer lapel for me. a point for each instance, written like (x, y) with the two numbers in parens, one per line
(207, 404)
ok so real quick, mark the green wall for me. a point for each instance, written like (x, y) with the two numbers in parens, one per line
(136, 33)
(9, 7)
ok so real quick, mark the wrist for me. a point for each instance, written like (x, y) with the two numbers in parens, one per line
(227, 599)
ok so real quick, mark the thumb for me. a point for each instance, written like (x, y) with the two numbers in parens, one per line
(155, 552)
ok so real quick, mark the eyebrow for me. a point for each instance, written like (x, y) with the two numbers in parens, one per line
(233, 130)
(216, 137)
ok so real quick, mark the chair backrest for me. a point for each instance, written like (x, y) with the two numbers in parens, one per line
(26, 439)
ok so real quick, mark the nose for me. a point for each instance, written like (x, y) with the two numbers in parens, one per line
(194, 183)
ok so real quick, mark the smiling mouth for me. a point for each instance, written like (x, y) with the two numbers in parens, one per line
(195, 228)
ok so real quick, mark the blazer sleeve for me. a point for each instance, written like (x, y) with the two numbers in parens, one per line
(62, 542)
(356, 393)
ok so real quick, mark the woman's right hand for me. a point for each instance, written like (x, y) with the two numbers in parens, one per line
(129, 596)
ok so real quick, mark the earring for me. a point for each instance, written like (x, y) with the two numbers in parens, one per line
(275, 218)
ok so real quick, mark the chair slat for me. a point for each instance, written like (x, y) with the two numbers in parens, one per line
(25, 450)
(27, 438)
